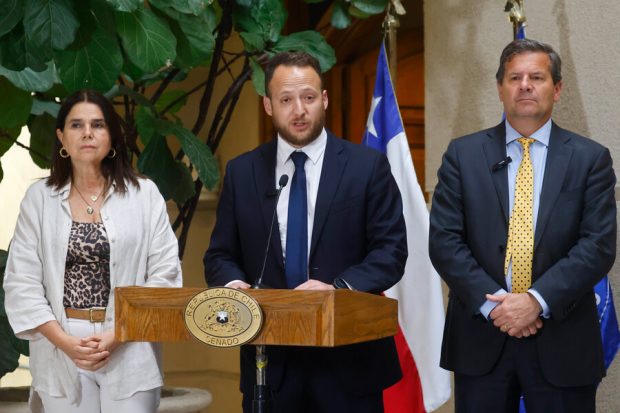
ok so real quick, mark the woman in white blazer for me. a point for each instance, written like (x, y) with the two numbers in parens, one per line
(93, 225)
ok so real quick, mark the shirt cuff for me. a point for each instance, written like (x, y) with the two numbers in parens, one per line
(488, 306)
(546, 312)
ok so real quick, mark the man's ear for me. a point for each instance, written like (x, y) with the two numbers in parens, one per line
(267, 105)
(325, 99)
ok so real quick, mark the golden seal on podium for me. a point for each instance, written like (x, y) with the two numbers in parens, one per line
(223, 317)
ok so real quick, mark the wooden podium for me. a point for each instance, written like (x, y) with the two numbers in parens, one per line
(296, 318)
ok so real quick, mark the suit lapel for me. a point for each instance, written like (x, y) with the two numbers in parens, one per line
(556, 165)
(495, 151)
(264, 179)
(334, 162)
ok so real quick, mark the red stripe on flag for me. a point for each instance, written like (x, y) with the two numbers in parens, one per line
(406, 395)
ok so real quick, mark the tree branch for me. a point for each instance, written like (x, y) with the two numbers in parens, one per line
(234, 90)
(224, 30)
(164, 84)
(199, 86)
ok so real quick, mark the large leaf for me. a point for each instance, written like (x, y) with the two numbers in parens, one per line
(96, 65)
(16, 53)
(147, 39)
(195, 7)
(266, 17)
(40, 107)
(11, 12)
(14, 106)
(49, 24)
(30, 80)
(41, 139)
(199, 33)
(10, 346)
(125, 5)
(103, 14)
(172, 177)
(4, 255)
(340, 17)
(8, 355)
(195, 42)
(145, 123)
(370, 6)
(197, 151)
(311, 42)
(7, 138)
(258, 77)
(252, 41)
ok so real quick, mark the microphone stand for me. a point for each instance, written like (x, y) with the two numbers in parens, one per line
(262, 402)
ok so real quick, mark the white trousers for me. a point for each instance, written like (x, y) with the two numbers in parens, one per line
(95, 396)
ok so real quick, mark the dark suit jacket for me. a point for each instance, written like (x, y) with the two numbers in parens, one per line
(574, 247)
(358, 234)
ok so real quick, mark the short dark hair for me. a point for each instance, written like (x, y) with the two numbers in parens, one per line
(116, 170)
(297, 59)
(521, 46)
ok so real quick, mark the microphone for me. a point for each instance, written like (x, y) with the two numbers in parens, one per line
(501, 164)
(281, 184)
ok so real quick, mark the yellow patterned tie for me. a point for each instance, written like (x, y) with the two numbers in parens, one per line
(521, 228)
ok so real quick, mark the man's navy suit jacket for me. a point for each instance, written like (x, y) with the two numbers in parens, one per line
(359, 235)
(574, 247)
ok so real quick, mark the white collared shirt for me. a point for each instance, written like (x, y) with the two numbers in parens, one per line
(313, 167)
(143, 252)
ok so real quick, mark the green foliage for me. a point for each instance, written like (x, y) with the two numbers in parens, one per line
(96, 65)
(41, 127)
(133, 51)
(10, 346)
(15, 105)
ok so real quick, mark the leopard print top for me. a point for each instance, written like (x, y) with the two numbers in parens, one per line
(87, 269)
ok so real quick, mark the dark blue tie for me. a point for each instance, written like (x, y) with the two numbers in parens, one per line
(296, 264)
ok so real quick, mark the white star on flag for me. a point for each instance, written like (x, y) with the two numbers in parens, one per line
(370, 124)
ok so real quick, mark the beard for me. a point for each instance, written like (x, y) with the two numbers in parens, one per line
(300, 139)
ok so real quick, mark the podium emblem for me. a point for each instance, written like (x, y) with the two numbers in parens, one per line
(223, 317)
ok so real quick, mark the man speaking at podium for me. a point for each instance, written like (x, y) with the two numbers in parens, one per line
(339, 225)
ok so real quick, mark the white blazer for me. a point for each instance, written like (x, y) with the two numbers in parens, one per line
(143, 252)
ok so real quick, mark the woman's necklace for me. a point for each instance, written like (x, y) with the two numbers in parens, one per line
(89, 208)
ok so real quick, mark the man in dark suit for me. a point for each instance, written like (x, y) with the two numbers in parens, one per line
(521, 256)
(350, 234)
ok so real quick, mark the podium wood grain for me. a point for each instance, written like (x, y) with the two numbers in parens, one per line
(302, 318)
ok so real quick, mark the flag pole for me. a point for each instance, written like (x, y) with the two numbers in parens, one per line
(391, 24)
(516, 15)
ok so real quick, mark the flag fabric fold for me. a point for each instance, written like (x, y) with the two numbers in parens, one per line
(425, 386)
(610, 334)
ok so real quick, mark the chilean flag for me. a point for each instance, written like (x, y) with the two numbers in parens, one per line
(425, 386)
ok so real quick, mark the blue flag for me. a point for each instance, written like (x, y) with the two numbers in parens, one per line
(607, 318)
(384, 122)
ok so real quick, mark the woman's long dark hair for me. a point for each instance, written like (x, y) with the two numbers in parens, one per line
(116, 170)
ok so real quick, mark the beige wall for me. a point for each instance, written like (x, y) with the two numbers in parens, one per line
(19, 173)
(463, 41)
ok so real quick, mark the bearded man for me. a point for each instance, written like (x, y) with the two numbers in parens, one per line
(340, 225)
